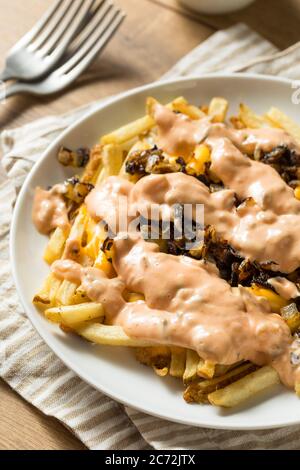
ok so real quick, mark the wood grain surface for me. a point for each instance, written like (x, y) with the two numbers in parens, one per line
(155, 34)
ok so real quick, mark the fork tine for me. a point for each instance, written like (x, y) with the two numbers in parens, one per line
(98, 45)
(104, 6)
(52, 25)
(100, 26)
(37, 28)
(100, 11)
(68, 28)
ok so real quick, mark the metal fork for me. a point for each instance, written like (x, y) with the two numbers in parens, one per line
(42, 47)
(89, 44)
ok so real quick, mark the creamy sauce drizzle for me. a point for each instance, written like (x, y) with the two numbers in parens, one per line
(49, 209)
(186, 302)
(190, 307)
(178, 135)
(285, 288)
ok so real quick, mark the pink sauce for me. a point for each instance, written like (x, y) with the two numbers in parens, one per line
(285, 288)
(186, 302)
(49, 209)
(178, 133)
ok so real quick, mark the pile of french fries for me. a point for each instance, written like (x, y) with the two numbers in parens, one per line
(67, 305)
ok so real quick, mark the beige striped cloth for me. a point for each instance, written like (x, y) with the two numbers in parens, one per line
(26, 362)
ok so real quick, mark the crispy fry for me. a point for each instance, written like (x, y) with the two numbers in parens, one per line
(73, 314)
(92, 168)
(102, 263)
(65, 293)
(197, 392)
(206, 369)
(201, 157)
(112, 156)
(276, 302)
(47, 297)
(178, 358)
(239, 391)
(237, 123)
(80, 297)
(191, 365)
(73, 243)
(282, 120)
(129, 131)
(55, 246)
(157, 357)
(182, 106)
(217, 109)
(222, 369)
(109, 335)
(248, 117)
(134, 297)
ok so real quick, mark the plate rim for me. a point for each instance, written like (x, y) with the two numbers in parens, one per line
(13, 261)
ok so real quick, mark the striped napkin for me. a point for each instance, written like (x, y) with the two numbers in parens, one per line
(26, 362)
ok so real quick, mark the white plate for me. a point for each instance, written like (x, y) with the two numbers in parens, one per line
(112, 370)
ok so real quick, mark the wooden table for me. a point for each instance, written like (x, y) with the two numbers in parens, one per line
(155, 35)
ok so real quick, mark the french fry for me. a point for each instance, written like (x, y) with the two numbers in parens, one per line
(80, 297)
(66, 293)
(96, 235)
(47, 296)
(280, 119)
(276, 302)
(157, 357)
(73, 243)
(55, 246)
(95, 162)
(237, 123)
(54, 287)
(199, 159)
(297, 192)
(206, 369)
(191, 365)
(42, 299)
(134, 297)
(73, 314)
(109, 335)
(248, 117)
(161, 372)
(112, 156)
(178, 358)
(102, 263)
(129, 131)
(182, 106)
(222, 369)
(197, 391)
(178, 104)
(217, 109)
(250, 385)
